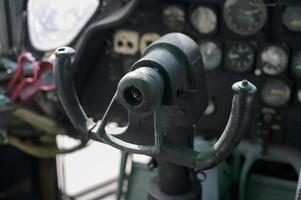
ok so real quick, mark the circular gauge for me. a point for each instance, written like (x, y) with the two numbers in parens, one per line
(274, 60)
(296, 65)
(292, 18)
(174, 18)
(275, 93)
(245, 17)
(239, 57)
(211, 54)
(204, 20)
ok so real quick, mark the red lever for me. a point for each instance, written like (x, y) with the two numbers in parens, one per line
(44, 82)
(26, 87)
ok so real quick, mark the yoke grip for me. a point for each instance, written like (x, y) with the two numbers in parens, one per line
(66, 91)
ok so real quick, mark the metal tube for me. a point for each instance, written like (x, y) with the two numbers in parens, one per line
(175, 179)
(66, 91)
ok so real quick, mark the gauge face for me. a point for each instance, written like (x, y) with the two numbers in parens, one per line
(239, 57)
(292, 18)
(296, 65)
(174, 18)
(204, 20)
(211, 54)
(274, 60)
(275, 93)
(244, 17)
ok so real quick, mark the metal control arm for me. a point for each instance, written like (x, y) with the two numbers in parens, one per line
(165, 88)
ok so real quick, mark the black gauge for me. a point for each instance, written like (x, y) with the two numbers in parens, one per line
(245, 17)
(296, 65)
(174, 18)
(239, 57)
(274, 60)
(292, 18)
(204, 20)
(275, 93)
(211, 54)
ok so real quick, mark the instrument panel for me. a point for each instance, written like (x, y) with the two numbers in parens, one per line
(256, 39)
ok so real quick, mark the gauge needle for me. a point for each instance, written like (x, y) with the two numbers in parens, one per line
(233, 56)
(278, 92)
(252, 12)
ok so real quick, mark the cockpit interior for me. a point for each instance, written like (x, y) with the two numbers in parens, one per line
(150, 99)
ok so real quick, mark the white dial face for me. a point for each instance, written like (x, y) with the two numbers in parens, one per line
(275, 92)
(211, 54)
(274, 60)
(56, 23)
(204, 20)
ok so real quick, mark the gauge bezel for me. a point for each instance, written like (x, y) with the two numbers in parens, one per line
(266, 46)
(283, 12)
(297, 94)
(210, 7)
(287, 83)
(252, 45)
(292, 72)
(192, 29)
(278, 29)
(180, 6)
(236, 32)
(221, 48)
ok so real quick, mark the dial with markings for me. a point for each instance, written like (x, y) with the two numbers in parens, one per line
(292, 18)
(204, 20)
(173, 18)
(274, 60)
(239, 57)
(296, 65)
(244, 17)
(276, 93)
(211, 54)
